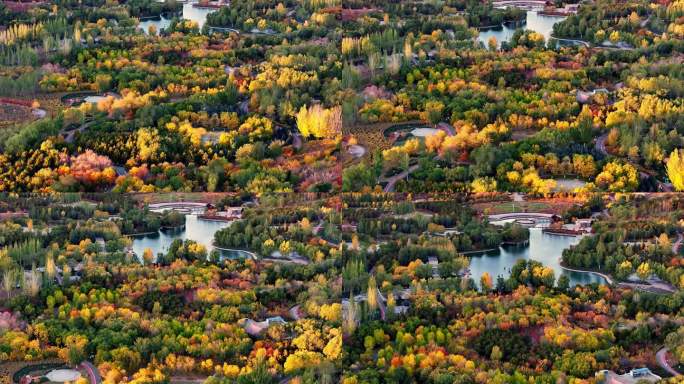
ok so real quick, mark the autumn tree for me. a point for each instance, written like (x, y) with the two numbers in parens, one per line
(486, 282)
(74, 349)
(372, 294)
(148, 256)
(675, 169)
(675, 343)
(644, 271)
(496, 354)
(320, 122)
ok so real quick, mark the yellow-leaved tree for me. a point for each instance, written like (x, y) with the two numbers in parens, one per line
(320, 122)
(675, 169)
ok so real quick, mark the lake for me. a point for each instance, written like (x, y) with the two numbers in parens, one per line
(201, 231)
(535, 22)
(545, 248)
(189, 12)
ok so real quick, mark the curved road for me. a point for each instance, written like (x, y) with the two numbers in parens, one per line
(601, 144)
(93, 372)
(295, 312)
(677, 243)
(69, 135)
(661, 358)
(582, 42)
(391, 181)
(446, 127)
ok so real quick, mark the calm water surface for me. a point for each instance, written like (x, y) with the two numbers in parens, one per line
(201, 231)
(543, 247)
(189, 12)
(535, 22)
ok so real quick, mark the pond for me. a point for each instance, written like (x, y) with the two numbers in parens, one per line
(199, 230)
(536, 22)
(189, 13)
(399, 133)
(543, 247)
(94, 99)
(424, 132)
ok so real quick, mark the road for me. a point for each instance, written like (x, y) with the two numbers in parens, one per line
(318, 227)
(391, 181)
(518, 197)
(297, 141)
(120, 170)
(661, 358)
(601, 144)
(93, 372)
(582, 42)
(295, 313)
(677, 243)
(446, 127)
(381, 305)
(69, 135)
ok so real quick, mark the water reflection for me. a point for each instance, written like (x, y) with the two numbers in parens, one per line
(201, 231)
(545, 248)
(535, 22)
(189, 12)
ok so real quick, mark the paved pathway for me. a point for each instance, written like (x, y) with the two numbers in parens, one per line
(518, 197)
(601, 144)
(521, 215)
(178, 204)
(356, 151)
(120, 170)
(677, 243)
(575, 41)
(608, 279)
(93, 372)
(295, 312)
(661, 358)
(297, 141)
(391, 181)
(318, 227)
(446, 127)
(69, 135)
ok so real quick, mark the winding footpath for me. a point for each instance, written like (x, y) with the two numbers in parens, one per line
(446, 127)
(69, 134)
(92, 371)
(391, 181)
(574, 41)
(295, 312)
(677, 243)
(600, 146)
(661, 358)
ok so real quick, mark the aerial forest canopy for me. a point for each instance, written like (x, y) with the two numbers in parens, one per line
(341, 191)
(321, 96)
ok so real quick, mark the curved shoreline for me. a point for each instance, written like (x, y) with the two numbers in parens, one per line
(143, 233)
(576, 41)
(250, 253)
(478, 251)
(607, 278)
(520, 215)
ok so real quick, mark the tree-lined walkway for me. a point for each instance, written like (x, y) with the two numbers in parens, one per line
(677, 243)
(92, 371)
(661, 358)
(391, 181)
